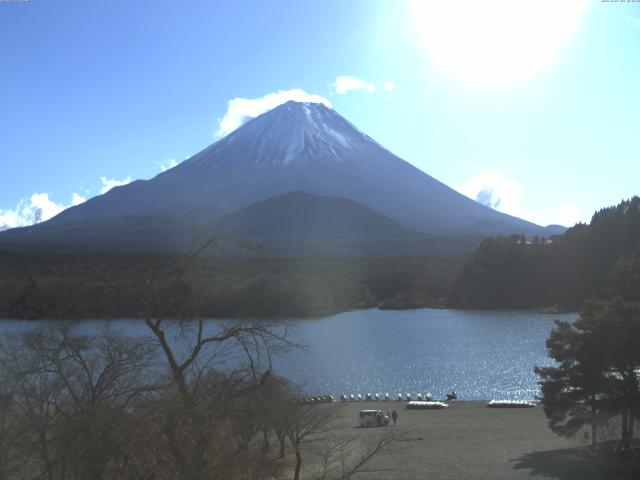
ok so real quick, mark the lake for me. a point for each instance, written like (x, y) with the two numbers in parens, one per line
(479, 354)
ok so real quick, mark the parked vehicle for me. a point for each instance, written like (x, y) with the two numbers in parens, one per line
(373, 418)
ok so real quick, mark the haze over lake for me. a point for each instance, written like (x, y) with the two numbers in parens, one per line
(479, 354)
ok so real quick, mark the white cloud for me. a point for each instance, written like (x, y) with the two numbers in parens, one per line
(38, 208)
(77, 199)
(388, 86)
(171, 162)
(109, 183)
(492, 189)
(568, 215)
(634, 21)
(240, 110)
(347, 83)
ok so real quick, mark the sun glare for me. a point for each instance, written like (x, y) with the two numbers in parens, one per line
(494, 42)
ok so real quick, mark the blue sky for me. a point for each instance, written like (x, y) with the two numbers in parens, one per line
(532, 105)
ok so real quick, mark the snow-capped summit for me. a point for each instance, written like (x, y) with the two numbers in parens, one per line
(291, 132)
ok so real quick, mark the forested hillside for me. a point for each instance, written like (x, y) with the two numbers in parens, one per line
(587, 261)
(109, 286)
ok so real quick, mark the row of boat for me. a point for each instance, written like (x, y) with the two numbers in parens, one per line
(320, 399)
(511, 404)
(385, 397)
(419, 401)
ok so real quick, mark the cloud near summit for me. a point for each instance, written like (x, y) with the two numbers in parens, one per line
(240, 110)
(347, 83)
(492, 189)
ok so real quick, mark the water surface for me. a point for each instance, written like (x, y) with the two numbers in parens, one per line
(479, 354)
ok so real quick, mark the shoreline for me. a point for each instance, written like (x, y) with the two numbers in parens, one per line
(469, 440)
(7, 316)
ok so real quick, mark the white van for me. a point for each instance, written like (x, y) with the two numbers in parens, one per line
(373, 418)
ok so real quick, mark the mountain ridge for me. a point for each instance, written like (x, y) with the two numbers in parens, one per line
(294, 147)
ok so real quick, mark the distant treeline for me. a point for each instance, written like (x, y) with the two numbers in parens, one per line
(587, 261)
(107, 286)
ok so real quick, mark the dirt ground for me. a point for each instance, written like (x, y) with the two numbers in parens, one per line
(470, 441)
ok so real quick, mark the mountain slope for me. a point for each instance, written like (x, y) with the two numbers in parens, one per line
(294, 147)
(301, 224)
(300, 213)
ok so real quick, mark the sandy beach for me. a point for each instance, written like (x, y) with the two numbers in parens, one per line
(469, 440)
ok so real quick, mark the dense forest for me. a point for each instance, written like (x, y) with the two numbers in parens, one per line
(504, 272)
(587, 261)
(106, 286)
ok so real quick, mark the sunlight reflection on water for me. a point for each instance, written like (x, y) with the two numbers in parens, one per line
(479, 354)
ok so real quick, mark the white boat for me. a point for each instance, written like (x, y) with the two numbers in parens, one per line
(416, 405)
(511, 404)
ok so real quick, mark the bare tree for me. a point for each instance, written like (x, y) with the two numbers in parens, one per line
(9, 432)
(337, 457)
(277, 399)
(71, 396)
(307, 423)
(212, 405)
(345, 457)
(209, 401)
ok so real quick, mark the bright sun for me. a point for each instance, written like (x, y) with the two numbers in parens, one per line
(494, 42)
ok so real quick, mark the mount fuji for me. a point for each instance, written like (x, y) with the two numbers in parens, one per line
(243, 184)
